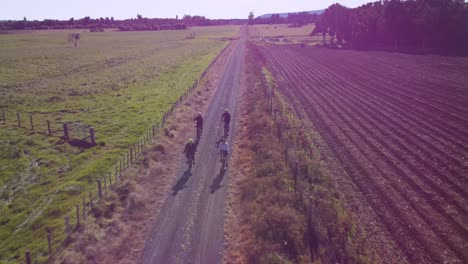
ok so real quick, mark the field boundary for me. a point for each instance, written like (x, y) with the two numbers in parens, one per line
(73, 220)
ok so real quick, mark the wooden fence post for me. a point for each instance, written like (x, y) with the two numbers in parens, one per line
(19, 121)
(116, 172)
(92, 136)
(28, 257)
(77, 216)
(120, 167)
(90, 199)
(31, 121)
(65, 131)
(48, 128)
(142, 147)
(67, 226)
(49, 241)
(84, 208)
(99, 188)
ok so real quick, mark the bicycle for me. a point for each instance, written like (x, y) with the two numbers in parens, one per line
(223, 159)
(199, 131)
(226, 130)
(190, 161)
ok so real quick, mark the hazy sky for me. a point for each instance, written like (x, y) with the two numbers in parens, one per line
(120, 9)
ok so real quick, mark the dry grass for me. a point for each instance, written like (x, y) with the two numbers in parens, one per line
(267, 220)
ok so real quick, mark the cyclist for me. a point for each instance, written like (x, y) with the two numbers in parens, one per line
(190, 150)
(223, 149)
(199, 124)
(226, 117)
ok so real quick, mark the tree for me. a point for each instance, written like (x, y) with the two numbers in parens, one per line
(74, 37)
(251, 17)
(86, 20)
(139, 17)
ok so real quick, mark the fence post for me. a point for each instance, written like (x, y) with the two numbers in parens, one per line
(65, 131)
(128, 159)
(91, 134)
(48, 128)
(19, 121)
(77, 215)
(84, 208)
(131, 154)
(120, 167)
(142, 147)
(31, 121)
(90, 199)
(99, 188)
(28, 257)
(116, 173)
(67, 226)
(49, 241)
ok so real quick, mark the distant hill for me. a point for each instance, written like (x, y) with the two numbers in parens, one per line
(318, 12)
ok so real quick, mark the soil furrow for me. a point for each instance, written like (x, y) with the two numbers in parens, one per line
(361, 130)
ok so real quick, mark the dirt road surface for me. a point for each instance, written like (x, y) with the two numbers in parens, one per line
(189, 228)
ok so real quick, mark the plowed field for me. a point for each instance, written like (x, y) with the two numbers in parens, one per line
(398, 125)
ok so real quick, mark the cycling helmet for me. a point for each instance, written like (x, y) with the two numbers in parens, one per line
(226, 110)
(190, 140)
(199, 113)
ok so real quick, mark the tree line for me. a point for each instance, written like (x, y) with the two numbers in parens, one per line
(293, 19)
(412, 25)
(139, 23)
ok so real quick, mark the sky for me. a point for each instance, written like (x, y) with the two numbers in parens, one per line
(123, 9)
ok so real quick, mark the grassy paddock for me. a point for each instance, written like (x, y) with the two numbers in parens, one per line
(118, 82)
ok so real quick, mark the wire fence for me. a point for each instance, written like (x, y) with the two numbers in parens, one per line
(302, 172)
(74, 219)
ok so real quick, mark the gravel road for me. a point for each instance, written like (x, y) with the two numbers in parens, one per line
(190, 226)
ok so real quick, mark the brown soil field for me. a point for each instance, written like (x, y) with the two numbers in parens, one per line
(398, 125)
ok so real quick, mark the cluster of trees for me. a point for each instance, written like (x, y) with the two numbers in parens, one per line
(146, 24)
(134, 24)
(293, 19)
(412, 25)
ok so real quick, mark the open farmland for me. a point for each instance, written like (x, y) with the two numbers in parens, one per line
(118, 82)
(283, 34)
(398, 125)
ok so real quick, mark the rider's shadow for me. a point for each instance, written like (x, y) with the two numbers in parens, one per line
(217, 181)
(181, 182)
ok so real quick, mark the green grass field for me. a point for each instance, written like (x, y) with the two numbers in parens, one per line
(118, 82)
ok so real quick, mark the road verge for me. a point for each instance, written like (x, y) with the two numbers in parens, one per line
(283, 205)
